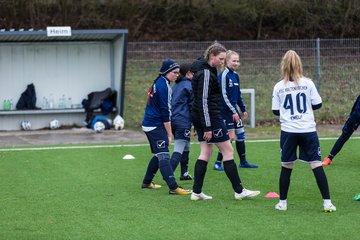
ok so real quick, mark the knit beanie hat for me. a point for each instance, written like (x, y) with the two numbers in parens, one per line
(168, 66)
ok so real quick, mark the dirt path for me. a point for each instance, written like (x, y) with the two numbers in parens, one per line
(69, 136)
(88, 136)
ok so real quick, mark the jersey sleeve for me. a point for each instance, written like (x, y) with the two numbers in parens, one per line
(190, 95)
(224, 91)
(164, 100)
(241, 102)
(201, 84)
(275, 105)
(205, 116)
(314, 94)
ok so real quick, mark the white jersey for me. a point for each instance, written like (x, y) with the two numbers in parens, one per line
(295, 105)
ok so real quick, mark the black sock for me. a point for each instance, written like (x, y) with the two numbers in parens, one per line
(233, 175)
(199, 175)
(219, 157)
(240, 148)
(174, 160)
(152, 168)
(284, 182)
(167, 173)
(184, 162)
(322, 182)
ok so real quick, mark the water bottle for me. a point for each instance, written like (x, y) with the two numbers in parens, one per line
(4, 105)
(11, 102)
(7, 105)
(45, 103)
(51, 102)
(62, 103)
(63, 99)
(69, 103)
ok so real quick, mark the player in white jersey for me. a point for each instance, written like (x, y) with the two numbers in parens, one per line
(295, 105)
(294, 99)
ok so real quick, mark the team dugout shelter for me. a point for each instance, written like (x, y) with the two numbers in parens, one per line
(59, 61)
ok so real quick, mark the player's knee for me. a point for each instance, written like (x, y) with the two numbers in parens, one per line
(187, 146)
(205, 155)
(163, 156)
(180, 145)
(288, 165)
(315, 165)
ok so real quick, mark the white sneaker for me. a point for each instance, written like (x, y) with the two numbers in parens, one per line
(281, 206)
(200, 196)
(246, 194)
(329, 207)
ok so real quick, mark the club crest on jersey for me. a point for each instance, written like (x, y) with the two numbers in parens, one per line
(231, 83)
(187, 133)
(160, 144)
(218, 133)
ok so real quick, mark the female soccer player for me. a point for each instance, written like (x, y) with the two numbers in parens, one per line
(209, 125)
(231, 99)
(351, 124)
(182, 100)
(157, 127)
(294, 99)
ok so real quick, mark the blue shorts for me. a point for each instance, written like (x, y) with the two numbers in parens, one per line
(218, 128)
(158, 139)
(229, 121)
(308, 143)
(181, 133)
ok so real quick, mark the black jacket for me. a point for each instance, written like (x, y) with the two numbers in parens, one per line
(206, 91)
(27, 99)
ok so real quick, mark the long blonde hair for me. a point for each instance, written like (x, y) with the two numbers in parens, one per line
(291, 67)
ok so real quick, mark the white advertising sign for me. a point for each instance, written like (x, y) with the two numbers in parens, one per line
(58, 31)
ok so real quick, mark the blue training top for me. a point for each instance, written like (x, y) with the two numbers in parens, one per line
(158, 110)
(230, 91)
(182, 100)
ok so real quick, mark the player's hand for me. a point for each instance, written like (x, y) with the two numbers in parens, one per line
(245, 114)
(236, 117)
(207, 135)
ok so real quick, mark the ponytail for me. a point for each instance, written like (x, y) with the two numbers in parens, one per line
(150, 92)
(214, 49)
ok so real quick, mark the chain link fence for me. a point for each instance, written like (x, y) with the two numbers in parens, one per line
(333, 64)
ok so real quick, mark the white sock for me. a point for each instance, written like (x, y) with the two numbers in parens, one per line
(327, 201)
(283, 202)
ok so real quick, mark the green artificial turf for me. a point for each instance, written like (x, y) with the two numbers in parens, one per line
(92, 193)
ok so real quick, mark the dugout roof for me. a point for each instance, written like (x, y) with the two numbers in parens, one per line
(76, 35)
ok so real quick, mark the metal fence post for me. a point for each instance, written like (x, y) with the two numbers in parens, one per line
(252, 105)
(318, 63)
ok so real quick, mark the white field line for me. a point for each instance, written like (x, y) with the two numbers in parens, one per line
(129, 145)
